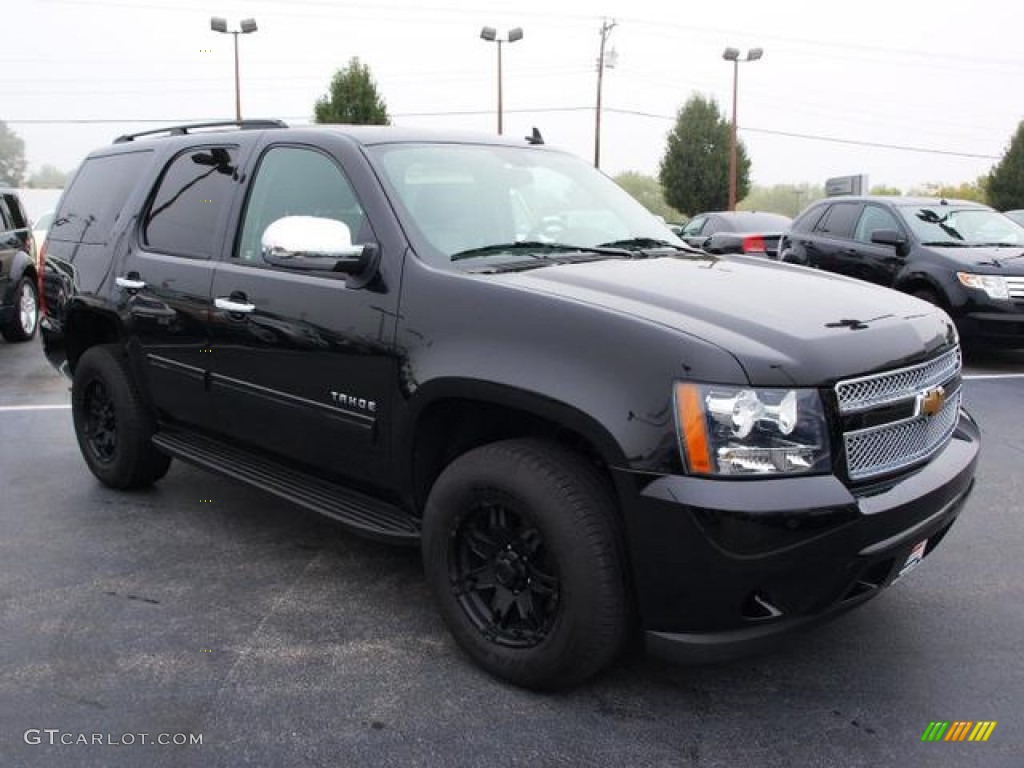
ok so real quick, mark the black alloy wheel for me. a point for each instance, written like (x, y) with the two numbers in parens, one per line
(524, 555)
(100, 422)
(113, 426)
(503, 577)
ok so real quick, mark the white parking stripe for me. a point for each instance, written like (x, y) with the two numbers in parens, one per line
(15, 408)
(976, 376)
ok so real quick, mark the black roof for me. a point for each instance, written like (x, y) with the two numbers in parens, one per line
(362, 134)
(901, 200)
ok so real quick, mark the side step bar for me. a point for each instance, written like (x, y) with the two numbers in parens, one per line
(357, 511)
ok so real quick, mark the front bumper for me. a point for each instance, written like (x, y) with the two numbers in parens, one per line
(721, 568)
(996, 329)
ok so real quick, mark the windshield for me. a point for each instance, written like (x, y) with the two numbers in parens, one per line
(465, 199)
(947, 225)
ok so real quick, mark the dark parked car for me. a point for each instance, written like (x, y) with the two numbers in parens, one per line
(19, 306)
(751, 232)
(962, 256)
(486, 348)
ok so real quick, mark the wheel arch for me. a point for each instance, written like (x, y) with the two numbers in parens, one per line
(450, 417)
(87, 326)
(923, 281)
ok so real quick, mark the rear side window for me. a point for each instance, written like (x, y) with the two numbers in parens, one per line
(194, 191)
(11, 215)
(96, 196)
(805, 221)
(839, 220)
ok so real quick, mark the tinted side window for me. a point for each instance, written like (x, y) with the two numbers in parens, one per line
(693, 226)
(11, 213)
(805, 221)
(193, 192)
(874, 217)
(96, 196)
(292, 181)
(839, 220)
(715, 224)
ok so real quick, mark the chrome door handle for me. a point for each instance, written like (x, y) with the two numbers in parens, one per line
(129, 284)
(235, 307)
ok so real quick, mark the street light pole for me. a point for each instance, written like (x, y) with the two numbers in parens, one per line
(733, 55)
(606, 30)
(491, 35)
(246, 27)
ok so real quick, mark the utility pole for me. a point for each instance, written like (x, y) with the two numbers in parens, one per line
(606, 30)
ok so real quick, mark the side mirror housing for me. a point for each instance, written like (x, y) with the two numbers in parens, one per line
(314, 244)
(891, 237)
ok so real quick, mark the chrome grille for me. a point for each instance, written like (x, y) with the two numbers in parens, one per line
(890, 447)
(878, 389)
(893, 445)
(1016, 287)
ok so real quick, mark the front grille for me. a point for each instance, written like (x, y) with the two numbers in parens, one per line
(868, 392)
(1016, 287)
(904, 440)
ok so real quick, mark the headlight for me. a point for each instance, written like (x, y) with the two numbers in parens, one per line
(730, 430)
(994, 285)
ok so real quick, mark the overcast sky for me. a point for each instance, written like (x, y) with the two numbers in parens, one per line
(837, 81)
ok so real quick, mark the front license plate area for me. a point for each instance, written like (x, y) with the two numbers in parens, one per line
(916, 556)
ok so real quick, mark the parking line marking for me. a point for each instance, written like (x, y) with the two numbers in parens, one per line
(977, 376)
(15, 408)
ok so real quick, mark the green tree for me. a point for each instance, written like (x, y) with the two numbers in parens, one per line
(12, 157)
(968, 190)
(47, 177)
(648, 192)
(352, 98)
(694, 171)
(1005, 183)
(787, 199)
(881, 189)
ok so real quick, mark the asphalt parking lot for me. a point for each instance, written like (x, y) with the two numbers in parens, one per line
(201, 607)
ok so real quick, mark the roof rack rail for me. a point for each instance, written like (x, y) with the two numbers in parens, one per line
(182, 130)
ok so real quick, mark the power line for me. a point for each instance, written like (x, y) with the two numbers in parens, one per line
(541, 110)
(832, 139)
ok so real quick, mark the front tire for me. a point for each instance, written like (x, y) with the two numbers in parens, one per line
(112, 425)
(521, 550)
(23, 323)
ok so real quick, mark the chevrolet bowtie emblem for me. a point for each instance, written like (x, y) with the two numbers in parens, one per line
(931, 401)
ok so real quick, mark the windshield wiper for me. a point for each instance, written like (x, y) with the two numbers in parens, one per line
(537, 249)
(644, 243)
(947, 244)
(996, 245)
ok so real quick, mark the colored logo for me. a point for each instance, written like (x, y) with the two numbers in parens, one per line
(931, 401)
(958, 730)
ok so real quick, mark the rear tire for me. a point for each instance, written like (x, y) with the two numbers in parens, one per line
(23, 323)
(521, 549)
(112, 425)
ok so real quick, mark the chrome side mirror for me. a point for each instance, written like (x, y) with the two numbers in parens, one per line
(310, 243)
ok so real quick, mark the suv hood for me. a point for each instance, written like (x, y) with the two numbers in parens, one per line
(996, 260)
(785, 325)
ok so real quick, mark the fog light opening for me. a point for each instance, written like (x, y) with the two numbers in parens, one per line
(758, 607)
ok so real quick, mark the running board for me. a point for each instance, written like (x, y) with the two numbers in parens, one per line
(357, 511)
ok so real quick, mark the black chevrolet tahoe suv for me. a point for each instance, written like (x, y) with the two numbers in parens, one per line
(484, 347)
